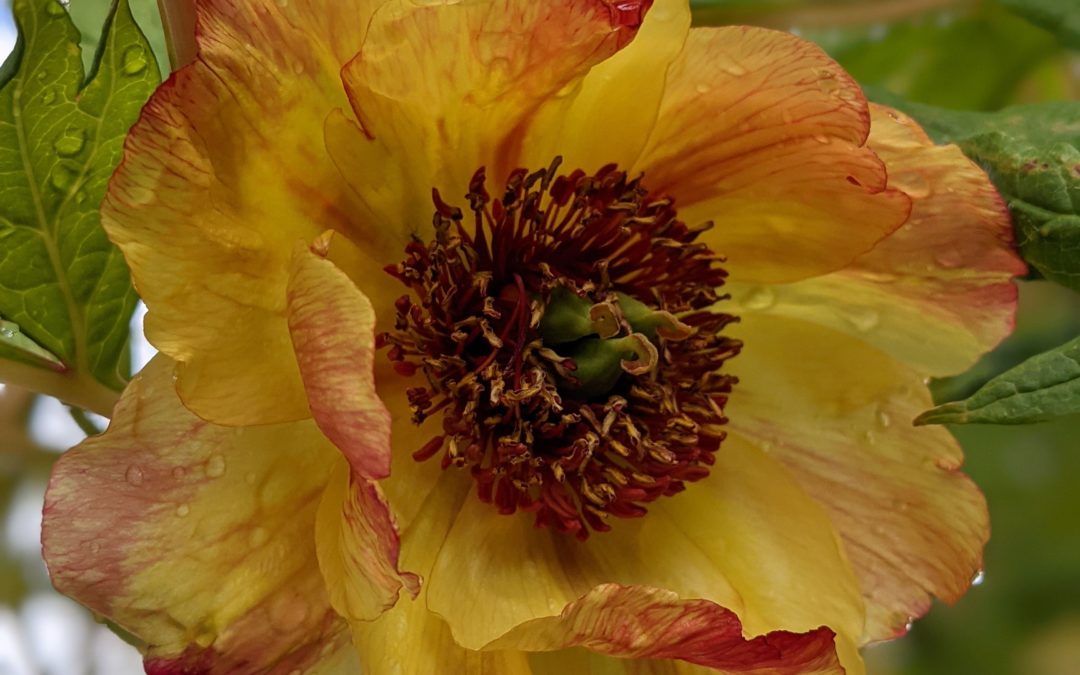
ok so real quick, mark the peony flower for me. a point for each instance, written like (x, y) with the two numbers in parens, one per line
(530, 337)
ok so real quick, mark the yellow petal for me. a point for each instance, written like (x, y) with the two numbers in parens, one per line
(332, 324)
(938, 292)
(195, 538)
(449, 87)
(764, 134)
(225, 169)
(746, 539)
(358, 543)
(838, 413)
(614, 110)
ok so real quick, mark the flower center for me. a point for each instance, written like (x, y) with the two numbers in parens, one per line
(567, 337)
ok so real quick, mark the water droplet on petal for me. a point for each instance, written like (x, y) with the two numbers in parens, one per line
(134, 475)
(759, 298)
(70, 143)
(134, 60)
(914, 184)
(730, 66)
(259, 536)
(823, 139)
(703, 88)
(949, 258)
(288, 612)
(979, 578)
(183, 510)
(298, 67)
(215, 466)
(884, 420)
(863, 319)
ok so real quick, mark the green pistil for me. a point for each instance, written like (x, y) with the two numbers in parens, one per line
(604, 340)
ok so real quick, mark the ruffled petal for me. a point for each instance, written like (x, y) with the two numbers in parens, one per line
(449, 87)
(358, 544)
(747, 539)
(838, 413)
(332, 324)
(649, 623)
(195, 538)
(764, 134)
(615, 108)
(224, 170)
(938, 292)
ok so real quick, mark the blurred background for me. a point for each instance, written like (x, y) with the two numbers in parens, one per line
(1023, 618)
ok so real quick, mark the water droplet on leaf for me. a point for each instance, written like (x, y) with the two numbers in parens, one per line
(70, 143)
(55, 9)
(134, 60)
(62, 177)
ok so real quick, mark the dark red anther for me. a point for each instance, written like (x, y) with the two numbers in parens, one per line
(509, 413)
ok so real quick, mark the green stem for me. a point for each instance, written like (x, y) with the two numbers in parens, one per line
(81, 418)
(79, 390)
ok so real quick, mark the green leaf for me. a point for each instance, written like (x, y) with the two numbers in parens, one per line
(16, 346)
(1061, 17)
(61, 136)
(1041, 388)
(1032, 153)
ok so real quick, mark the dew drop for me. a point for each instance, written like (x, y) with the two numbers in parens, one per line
(759, 298)
(259, 536)
(949, 258)
(62, 177)
(54, 8)
(703, 88)
(134, 60)
(288, 612)
(282, 3)
(863, 319)
(823, 139)
(134, 475)
(979, 578)
(7, 333)
(70, 143)
(298, 68)
(49, 97)
(215, 466)
(915, 184)
(42, 75)
(884, 420)
(870, 437)
(828, 82)
(183, 510)
(731, 66)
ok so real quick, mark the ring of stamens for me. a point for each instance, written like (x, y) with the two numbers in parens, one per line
(569, 343)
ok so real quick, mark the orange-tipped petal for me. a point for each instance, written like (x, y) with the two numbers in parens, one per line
(937, 293)
(649, 623)
(332, 324)
(764, 134)
(195, 538)
(615, 107)
(747, 539)
(358, 546)
(838, 413)
(447, 88)
(224, 170)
